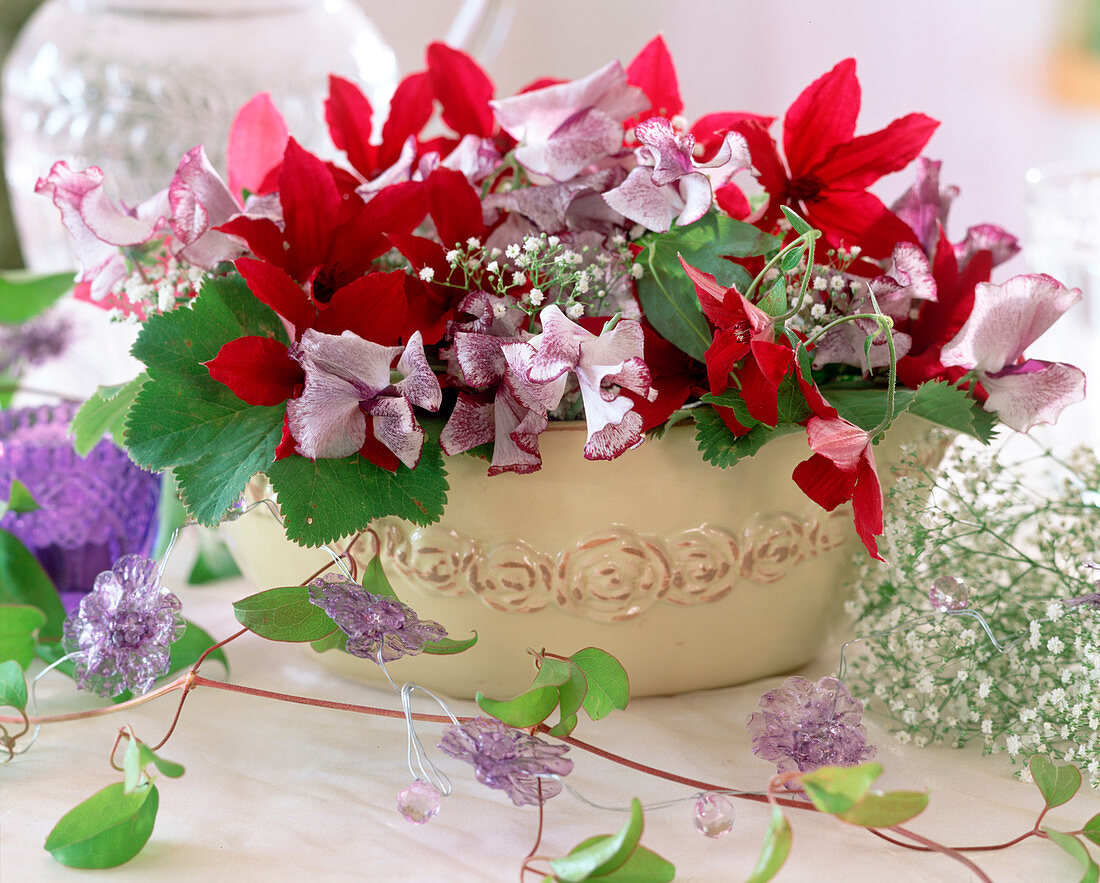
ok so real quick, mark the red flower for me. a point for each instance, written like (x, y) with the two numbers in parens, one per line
(742, 330)
(830, 169)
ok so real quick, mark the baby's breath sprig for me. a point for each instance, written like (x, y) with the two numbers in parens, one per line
(158, 281)
(1020, 534)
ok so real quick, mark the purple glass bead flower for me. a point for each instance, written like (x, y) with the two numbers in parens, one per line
(509, 759)
(124, 628)
(95, 509)
(803, 726)
(373, 623)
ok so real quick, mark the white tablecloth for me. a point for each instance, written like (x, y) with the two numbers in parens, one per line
(279, 791)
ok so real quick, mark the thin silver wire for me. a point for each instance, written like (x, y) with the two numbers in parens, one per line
(34, 699)
(647, 807)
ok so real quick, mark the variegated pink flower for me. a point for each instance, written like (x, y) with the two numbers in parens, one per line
(99, 227)
(199, 201)
(668, 184)
(1007, 319)
(564, 128)
(347, 383)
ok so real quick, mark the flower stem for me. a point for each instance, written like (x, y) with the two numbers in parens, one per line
(946, 850)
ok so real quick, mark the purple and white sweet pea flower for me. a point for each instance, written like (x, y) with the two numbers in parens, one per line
(347, 382)
(668, 184)
(567, 127)
(604, 365)
(1006, 319)
(199, 201)
(100, 227)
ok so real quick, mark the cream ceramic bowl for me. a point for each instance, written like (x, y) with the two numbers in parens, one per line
(692, 576)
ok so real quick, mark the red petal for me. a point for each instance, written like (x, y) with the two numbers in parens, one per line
(854, 217)
(729, 417)
(812, 394)
(372, 306)
(257, 369)
(377, 452)
(288, 446)
(822, 117)
(430, 309)
(653, 72)
(725, 351)
(398, 208)
(760, 379)
(454, 206)
(463, 89)
(263, 237)
(769, 167)
(275, 288)
(421, 253)
(257, 140)
(865, 159)
(710, 131)
(348, 114)
(311, 203)
(733, 201)
(823, 482)
(410, 109)
(867, 503)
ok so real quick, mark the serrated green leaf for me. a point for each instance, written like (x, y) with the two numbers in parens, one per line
(325, 500)
(1078, 850)
(608, 682)
(375, 580)
(722, 448)
(949, 406)
(668, 296)
(183, 419)
(19, 499)
(104, 414)
(836, 789)
(13, 685)
(23, 581)
(775, 849)
(1057, 784)
(19, 625)
(449, 646)
(106, 830)
(525, 710)
(885, 810)
(1092, 829)
(603, 855)
(284, 614)
(24, 295)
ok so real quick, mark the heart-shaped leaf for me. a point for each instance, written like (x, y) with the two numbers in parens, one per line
(1078, 850)
(1056, 784)
(13, 685)
(19, 499)
(643, 866)
(107, 829)
(886, 810)
(1092, 829)
(608, 684)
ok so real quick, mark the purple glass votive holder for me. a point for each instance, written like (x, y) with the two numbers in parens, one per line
(94, 509)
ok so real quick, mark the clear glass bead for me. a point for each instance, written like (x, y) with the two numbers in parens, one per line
(713, 815)
(419, 802)
(948, 594)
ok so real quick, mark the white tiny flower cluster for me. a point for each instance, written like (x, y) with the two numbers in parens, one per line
(158, 281)
(942, 681)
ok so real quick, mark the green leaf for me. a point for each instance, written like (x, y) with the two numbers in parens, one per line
(564, 727)
(13, 685)
(643, 866)
(449, 646)
(24, 295)
(214, 562)
(603, 855)
(23, 581)
(776, 847)
(949, 406)
(885, 810)
(1092, 829)
(375, 580)
(573, 693)
(836, 789)
(284, 614)
(796, 221)
(325, 500)
(608, 683)
(722, 448)
(338, 640)
(1056, 784)
(104, 414)
(19, 499)
(1078, 850)
(186, 651)
(525, 710)
(774, 303)
(792, 259)
(866, 407)
(138, 756)
(19, 625)
(107, 829)
(182, 418)
(668, 296)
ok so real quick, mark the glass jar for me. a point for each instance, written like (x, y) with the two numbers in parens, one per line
(131, 85)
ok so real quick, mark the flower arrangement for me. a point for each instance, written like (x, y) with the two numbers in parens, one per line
(576, 250)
